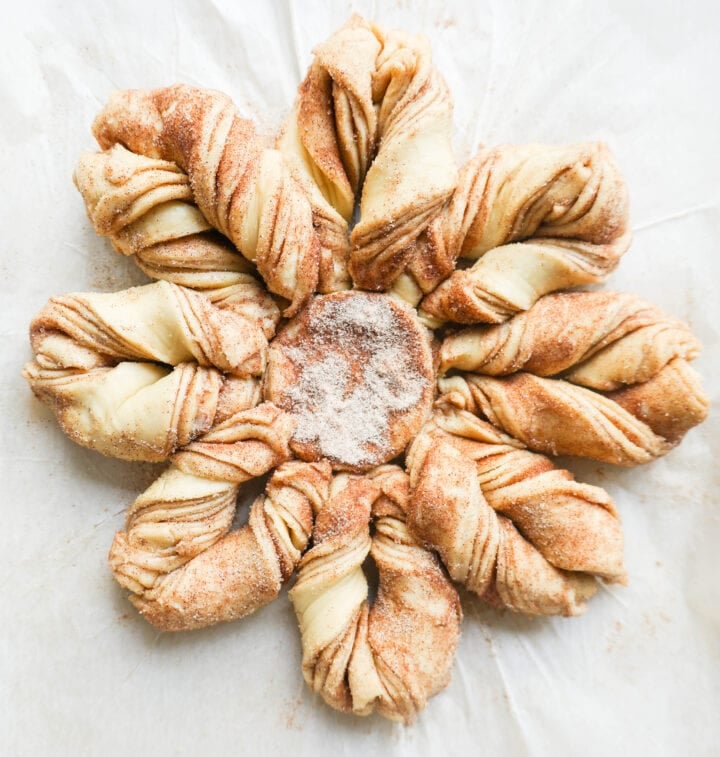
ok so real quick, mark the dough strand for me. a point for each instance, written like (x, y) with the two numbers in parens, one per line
(372, 123)
(601, 340)
(145, 207)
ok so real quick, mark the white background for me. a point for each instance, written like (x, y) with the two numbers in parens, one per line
(80, 673)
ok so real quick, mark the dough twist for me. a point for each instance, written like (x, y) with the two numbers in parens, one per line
(142, 410)
(185, 567)
(508, 525)
(394, 655)
(242, 188)
(145, 206)
(539, 218)
(627, 427)
(574, 526)
(602, 340)
(372, 113)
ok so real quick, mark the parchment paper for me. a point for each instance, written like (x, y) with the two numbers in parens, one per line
(80, 672)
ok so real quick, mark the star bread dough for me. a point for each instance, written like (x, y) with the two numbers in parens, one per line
(289, 334)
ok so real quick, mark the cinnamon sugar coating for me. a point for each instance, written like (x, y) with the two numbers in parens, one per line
(356, 371)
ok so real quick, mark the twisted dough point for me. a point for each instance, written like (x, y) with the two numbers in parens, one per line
(393, 656)
(574, 526)
(483, 550)
(372, 112)
(627, 427)
(569, 203)
(242, 188)
(187, 571)
(191, 505)
(145, 206)
(671, 402)
(602, 340)
(142, 411)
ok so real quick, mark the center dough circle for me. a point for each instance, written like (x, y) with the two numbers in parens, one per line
(355, 369)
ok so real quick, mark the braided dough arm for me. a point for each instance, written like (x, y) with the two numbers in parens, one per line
(556, 417)
(569, 203)
(370, 90)
(510, 278)
(413, 625)
(191, 505)
(145, 206)
(242, 188)
(142, 411)
(329, 139)
(481, 549)
(177, 556)
(246, 569)
(413, 173)
(602, 340)
(330, 594)
(574, 526)
(390, 657)
(158, 322)
(542, 191)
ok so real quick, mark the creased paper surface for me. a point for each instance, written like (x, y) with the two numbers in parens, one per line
(81, 673)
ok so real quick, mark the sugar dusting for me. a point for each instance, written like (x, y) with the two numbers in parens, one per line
(357, 368)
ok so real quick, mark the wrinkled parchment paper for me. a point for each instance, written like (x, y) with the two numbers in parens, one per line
(80, 672)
